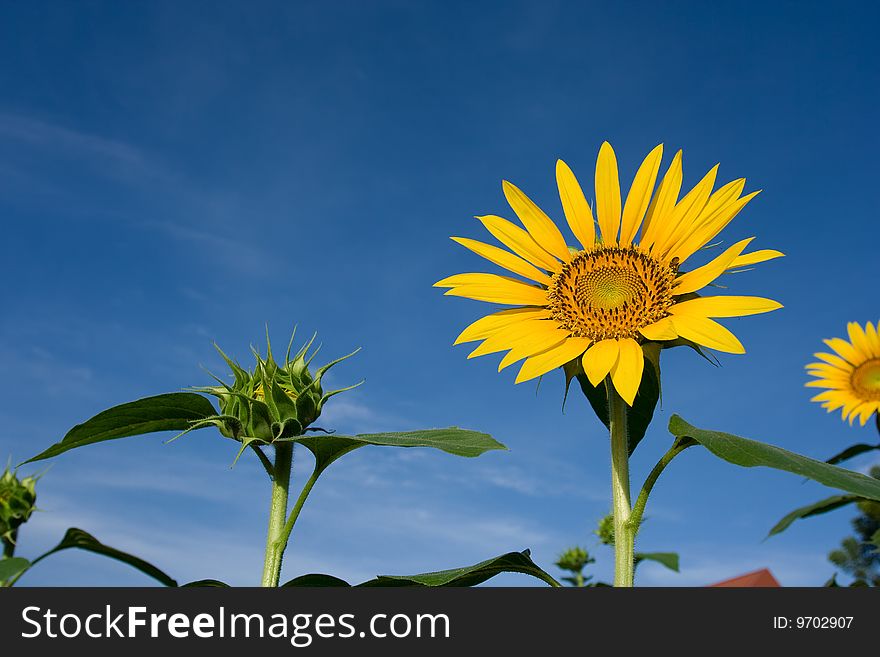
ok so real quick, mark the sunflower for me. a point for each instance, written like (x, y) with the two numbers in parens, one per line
(624, 285)
(851, 373)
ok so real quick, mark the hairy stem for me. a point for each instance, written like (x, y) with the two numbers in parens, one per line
(624, 532)
(277, 514)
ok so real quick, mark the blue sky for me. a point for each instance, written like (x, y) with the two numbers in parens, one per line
(172, 175)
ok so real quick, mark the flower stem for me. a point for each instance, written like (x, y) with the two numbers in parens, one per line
(277, 514)
(642, 500)
(624, 532)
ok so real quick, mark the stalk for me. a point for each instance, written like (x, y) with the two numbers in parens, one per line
(624, 532)
(275, 543)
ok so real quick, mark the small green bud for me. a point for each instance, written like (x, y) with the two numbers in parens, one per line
(605, 531)
(574, 559)
(18, 500)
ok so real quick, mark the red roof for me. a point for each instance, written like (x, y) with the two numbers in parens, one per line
(759, 578)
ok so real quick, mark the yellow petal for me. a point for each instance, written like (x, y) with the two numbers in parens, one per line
(835, 382)
(867, 411)
(755, 257)
(712, 226)
(505, 259)
(831, 359)
(542, 332)
(830, 371)
(540, 226)
(520, 242)
(599, 360)
(732, 306)
(845, 349)
(661, 330)
(627, 371)
(873, 337)
(542, 363)
(684, 214)
(607, 194)
(828, 395)
(691, 239)
(708, 333)
(639, 196)
(859, 340)
(663, 202)
(494, 289)
(486, 326)
(524, 349)
(723, 196)
(506, 297)
(702, 276)
(574, 204)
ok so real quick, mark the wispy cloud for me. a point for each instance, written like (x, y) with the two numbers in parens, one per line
(116, 158)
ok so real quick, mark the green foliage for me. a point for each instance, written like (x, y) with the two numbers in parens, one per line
(273, 405)
(859, 556)
(852, 451)
(605, 530)
(11, 567)
(18, 499)
(668, 559)
(452, 440)
(176, 411)
(78, 539)
(574, 560)
(317, 580)
(751, 453)
(815, 509)
(512, 562)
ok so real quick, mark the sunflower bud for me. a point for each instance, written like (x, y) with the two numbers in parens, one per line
(574, 559)
(605, 531)
(17, 501)
(274, 400)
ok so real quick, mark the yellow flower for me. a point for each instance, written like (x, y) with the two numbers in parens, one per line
(851, 374)
(602, 302)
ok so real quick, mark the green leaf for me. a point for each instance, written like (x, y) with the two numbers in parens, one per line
(750, 453)
(668, 559)
(512, 562)
(12, 566)
(206, 583)
(815, 509)
(171, 412)
(77, 538)
(460, 442)
(850, 452)
(639, 415)
(832, 582)
(317, 579)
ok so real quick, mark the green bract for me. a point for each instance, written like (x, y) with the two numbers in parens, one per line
(18, 499)
(275, 400)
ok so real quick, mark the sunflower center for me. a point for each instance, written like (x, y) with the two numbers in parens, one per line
(866, 380)
(611, 292)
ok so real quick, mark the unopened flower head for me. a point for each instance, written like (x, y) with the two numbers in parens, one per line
(18, 499)
(274, 400)
(623, 286)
